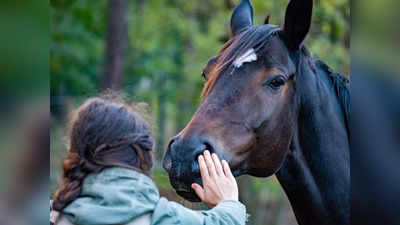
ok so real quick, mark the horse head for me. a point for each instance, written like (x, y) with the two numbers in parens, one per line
(249, 102)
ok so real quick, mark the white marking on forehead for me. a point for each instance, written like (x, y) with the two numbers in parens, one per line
(248, 56)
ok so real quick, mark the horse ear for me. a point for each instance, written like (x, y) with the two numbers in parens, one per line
(242, 17)
(297, 22)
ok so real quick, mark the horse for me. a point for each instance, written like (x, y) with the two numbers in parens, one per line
(270, 107)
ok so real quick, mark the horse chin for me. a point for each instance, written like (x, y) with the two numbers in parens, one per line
(262, 172)
(183, 189)
(239, 172)
(189, 195)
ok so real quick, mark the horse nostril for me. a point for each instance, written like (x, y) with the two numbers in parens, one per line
(167, 161)
(209, 147)
(200, 150)
(172, 142)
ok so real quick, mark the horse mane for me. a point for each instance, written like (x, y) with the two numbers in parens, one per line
(340, 85)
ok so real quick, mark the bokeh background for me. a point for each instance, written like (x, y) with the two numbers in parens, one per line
(153, 52)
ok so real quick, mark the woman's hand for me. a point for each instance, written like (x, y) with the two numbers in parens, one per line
(218, 181)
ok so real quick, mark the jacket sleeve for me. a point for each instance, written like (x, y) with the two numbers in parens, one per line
(227, 212)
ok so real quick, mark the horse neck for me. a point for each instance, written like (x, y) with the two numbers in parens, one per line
(316, 173)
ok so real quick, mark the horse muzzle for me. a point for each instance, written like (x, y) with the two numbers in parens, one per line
(181, 177)
(180, 161)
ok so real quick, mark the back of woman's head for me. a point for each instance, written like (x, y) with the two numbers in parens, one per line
(103, 133)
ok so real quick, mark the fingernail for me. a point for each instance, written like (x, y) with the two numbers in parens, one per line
(206, 152)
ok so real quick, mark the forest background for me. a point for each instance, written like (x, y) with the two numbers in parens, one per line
(153, 52)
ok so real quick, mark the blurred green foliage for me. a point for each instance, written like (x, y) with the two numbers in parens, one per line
(169, 42)
(171, 39)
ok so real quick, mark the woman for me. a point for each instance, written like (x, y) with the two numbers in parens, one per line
(106, 172)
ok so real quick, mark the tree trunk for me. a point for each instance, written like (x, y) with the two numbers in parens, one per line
(162, 114)
(116, 39)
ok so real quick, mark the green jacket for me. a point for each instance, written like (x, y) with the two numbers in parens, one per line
(118, 196)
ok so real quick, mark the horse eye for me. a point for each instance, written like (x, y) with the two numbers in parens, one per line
(276, 82)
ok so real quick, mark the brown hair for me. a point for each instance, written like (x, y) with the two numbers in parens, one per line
(103, 133)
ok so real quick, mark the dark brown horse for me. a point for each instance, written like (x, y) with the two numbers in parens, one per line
(270, 107)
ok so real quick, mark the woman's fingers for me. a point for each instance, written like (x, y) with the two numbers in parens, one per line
(216, 187)
(203, 169)
(210, 164)
(227, 169)
(199, 191)
(217, 163)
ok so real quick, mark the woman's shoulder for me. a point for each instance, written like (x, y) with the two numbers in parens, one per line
(144, 219)
(118, 194)
(110, 173)
(119, 176)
